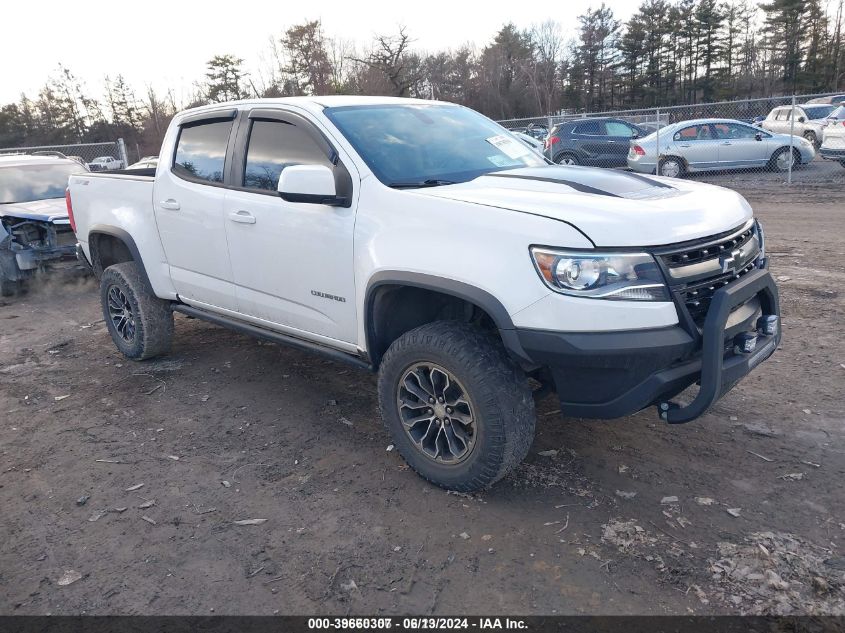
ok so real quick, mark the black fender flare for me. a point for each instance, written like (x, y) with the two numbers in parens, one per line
(128, 241)
(481, 298)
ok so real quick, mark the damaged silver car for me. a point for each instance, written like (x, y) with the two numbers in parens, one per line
(35, 230)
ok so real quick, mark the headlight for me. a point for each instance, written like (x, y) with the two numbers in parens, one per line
(619, 276)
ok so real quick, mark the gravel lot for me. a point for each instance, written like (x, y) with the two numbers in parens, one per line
(740, 511)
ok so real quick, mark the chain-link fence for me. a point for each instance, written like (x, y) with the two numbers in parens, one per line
(97, 156)
(784, 138)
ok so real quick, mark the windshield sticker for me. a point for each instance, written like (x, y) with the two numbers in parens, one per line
(510, 147)
(498, 160)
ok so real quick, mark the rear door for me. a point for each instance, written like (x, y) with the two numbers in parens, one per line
(777, 120)
(292, 262)
(188, 201)
(697, 146)
(590, 139)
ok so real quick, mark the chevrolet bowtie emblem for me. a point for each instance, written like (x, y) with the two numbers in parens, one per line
(729, 262)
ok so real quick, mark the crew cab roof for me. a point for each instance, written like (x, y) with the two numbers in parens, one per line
(313, 103)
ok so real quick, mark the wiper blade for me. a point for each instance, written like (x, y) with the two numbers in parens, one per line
(431, 182)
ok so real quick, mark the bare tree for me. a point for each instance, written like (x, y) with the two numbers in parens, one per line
(391, 56)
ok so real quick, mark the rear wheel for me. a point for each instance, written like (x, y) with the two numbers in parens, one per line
(8, 287)
(567, 159)
(458, 409)
(671, 167)
(140, 324)
(842, 163)
(784, 159)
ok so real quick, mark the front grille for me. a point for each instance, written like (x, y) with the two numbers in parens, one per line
(697, 296)
(709, 250)
(696, 270)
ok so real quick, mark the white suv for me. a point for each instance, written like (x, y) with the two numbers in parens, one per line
(807, 120)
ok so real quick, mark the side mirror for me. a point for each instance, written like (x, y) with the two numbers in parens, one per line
(758, 136)
(801, 119)
(311, 184)
(635, 135)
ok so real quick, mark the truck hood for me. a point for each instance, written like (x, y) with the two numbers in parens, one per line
(51, 210)
(610, 207)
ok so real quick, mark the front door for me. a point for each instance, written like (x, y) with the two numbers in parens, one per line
(739, 147)
(292, 262)
(188, 202)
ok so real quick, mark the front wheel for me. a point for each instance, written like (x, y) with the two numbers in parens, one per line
(140, 324)
(784, 159)
(811, 136)
(8, 287)
(458, 409)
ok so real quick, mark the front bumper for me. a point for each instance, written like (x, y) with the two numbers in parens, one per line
(832, 154)
(613, 374)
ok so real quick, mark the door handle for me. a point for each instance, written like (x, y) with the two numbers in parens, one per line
(685, 145)
(727, 143)
(611, 141)
(242, 217)
(170, 204)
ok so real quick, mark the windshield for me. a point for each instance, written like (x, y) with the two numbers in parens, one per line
(428, 145)
(819, 112)
(25, 183)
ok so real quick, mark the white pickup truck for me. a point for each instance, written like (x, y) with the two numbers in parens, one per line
(421, 240)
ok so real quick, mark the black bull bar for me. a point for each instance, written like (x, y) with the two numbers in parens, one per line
(721, 370)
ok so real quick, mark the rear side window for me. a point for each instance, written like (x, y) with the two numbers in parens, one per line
(201, 151)
(617, 128)
(782, 115)
(589, 128)
(274, 145)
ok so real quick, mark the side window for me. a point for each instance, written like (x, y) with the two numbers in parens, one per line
(274, 145)
(691, 133)
(201, 151)
(589, 128)
(617, 128)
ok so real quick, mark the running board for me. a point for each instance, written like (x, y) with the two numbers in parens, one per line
(270, 335)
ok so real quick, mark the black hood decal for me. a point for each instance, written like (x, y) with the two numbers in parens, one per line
(560, 181)
(601, 182)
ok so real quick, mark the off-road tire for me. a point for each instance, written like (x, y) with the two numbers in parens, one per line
(503, 405)
(8, 287)
(153, 319)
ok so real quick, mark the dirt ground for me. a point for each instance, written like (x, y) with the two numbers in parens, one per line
(741, 511)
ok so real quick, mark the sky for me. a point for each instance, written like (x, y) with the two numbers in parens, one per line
(166, 44)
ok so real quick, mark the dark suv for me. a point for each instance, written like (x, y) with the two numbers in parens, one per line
(597, 142)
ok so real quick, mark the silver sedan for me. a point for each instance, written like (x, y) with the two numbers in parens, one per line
(716, 144)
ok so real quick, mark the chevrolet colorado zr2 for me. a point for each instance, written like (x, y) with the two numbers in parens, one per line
(423, 241)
